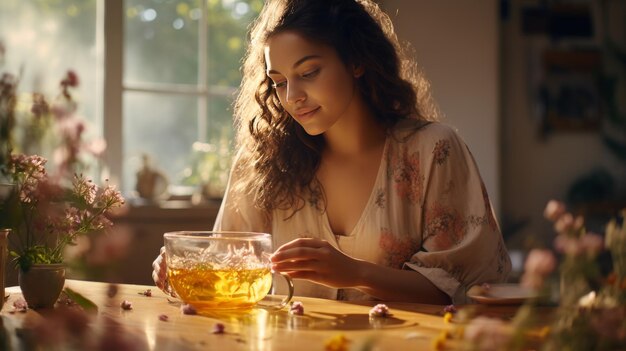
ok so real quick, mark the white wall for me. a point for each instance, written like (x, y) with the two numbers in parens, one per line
(457, 45)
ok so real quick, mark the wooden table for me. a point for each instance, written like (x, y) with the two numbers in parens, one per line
(411, 326)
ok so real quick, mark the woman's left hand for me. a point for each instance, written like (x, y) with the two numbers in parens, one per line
(318, 261)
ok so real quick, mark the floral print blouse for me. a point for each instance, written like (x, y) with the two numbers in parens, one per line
(428, 211)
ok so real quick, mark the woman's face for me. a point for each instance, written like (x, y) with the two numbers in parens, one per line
(312, 83)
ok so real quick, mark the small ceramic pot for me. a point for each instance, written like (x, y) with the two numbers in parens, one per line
(42, 284)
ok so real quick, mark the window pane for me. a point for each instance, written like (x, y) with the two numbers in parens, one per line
(220, 124)
(162, 126)
(48, 38)
(161, 41)
(209, 163)
(228, 22)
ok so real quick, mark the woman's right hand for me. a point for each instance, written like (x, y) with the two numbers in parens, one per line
(159, 273)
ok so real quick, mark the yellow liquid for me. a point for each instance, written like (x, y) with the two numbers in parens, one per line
(206, 288)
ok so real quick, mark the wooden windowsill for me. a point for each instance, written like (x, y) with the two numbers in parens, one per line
(166, 211)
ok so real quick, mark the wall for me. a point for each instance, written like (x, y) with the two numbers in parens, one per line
(456, 43)
(535, 170)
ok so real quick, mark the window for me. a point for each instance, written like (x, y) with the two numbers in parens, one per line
(43, 39)
(157, 76)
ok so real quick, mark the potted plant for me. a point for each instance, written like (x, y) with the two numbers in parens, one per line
(46, 212)
(47, 217)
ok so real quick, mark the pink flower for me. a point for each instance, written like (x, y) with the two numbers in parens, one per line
(126, 305)
(70, 80)
(450, 309)
(112, 290)
(97, 146)
(590, 244)
(567, 224)
(164, 317)
(297, 308)
(109, 197)
(219, 328)
(554, 210)
(188, 309)
(539, 264)
(84, 188)
(567, 245)
(564, 223)
(380, 310)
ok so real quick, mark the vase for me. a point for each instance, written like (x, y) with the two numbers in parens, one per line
(41, 285)
(4, 233)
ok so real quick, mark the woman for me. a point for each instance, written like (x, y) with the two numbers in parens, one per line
(340, 158)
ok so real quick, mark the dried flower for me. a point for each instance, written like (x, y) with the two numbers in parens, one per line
(447, 317)
(297, 308)
(147, 293)
(219, 328)
(554, 210)
(126, 305)
(188, 309)
(450, 309)
(70, 80)
(380, 310)
(112, 290)
(164, 318)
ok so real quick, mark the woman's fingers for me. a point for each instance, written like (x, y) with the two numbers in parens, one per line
(300, 253)
(301, 265)
(156, 264)
(159, 270)
(160, 283)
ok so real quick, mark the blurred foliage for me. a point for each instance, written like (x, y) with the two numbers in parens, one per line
(160, 46)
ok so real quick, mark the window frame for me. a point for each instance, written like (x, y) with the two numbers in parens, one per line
(110, 71)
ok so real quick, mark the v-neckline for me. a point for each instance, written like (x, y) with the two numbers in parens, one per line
(381, 165)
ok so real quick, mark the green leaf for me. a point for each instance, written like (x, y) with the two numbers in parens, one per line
(81, 300)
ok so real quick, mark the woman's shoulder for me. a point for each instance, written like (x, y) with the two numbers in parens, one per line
(422, 132)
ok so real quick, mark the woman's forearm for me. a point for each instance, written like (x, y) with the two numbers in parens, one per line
(398, 285)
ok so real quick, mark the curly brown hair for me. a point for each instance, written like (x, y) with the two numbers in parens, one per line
(278, 160)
